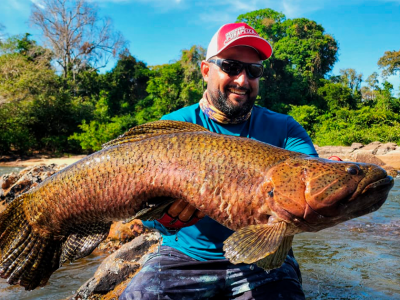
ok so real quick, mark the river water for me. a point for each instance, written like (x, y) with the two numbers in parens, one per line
(358, 259)
(7, 170)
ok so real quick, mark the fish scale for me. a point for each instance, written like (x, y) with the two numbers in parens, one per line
(264, 193)
(98, 174)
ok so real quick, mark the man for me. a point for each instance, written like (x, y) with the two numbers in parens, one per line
(190, 263)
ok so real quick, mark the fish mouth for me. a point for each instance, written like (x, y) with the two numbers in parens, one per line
(360, 203)
(365, 186)
(375, 194)
(383, 182)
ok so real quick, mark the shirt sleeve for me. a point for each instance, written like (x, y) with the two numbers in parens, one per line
(158, 226)
(175, 116)
(298, 140)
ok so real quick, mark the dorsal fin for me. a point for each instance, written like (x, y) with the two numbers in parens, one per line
(153, 129)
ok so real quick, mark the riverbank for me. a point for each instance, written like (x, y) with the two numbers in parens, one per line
(38, 160)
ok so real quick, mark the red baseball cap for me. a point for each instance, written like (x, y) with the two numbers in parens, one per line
(238, 34)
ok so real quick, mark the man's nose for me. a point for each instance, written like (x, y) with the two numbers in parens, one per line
(242, 78)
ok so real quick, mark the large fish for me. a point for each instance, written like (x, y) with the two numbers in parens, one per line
(264, 193)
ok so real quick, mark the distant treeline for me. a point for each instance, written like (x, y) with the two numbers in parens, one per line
(78, 109)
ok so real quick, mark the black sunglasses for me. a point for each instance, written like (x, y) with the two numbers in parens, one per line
(235, 67)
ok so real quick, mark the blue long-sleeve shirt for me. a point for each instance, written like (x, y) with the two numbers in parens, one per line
(204, 240)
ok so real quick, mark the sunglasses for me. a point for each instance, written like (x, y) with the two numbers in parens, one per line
(235, 67)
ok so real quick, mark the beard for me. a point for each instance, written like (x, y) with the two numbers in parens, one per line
(222, 103)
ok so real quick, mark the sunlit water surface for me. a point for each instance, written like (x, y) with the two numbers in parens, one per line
(359, 259)
(7, 170)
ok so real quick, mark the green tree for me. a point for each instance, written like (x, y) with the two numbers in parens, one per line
(390, 63)
(364, 125)
(337, 95)
(369, 91)
(25, 70)
(14, 129)
(303, 54)
(352, 80)
(164, 88)
(306, 115)
(267, 22)
(192, 85)
(385, 100)
(126, 84)
(102, 127)
(172, 86)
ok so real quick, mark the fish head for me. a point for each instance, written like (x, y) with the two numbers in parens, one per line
(315, 193)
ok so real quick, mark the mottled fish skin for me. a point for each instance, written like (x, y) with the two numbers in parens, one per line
(221, 175)
(236, 181)
(264, 193)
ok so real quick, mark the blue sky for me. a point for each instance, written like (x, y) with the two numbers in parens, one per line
(158, 30)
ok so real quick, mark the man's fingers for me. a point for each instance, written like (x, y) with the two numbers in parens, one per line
(187, 213)
(181, 214)
(177, 207)
(200, 214)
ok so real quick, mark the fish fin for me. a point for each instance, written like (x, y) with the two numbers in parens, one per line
(276, 259)
(83, 241)
(152, 129)
(154, 209)
(27, 258)
(254, 242)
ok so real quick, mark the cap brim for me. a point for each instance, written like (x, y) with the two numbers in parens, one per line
(258, 43)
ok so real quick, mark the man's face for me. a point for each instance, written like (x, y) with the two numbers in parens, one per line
(233, 95)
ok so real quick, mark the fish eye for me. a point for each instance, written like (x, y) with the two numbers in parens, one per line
(353, 170)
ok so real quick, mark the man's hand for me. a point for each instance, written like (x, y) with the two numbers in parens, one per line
(180, 214)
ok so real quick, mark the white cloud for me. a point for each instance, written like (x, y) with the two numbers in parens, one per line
(291, 8)
(38, 3)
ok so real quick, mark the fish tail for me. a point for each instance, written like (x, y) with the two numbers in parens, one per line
(26, 258)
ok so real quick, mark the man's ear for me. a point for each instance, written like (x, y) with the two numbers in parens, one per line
(205, 68)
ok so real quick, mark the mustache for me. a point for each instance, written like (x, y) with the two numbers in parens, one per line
(240, 88)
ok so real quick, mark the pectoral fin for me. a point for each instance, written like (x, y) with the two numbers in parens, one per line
(83, 241)
(153, 209)
(253, 243)
(276, 259)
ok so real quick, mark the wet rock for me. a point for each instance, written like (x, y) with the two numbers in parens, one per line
(15, 184)
(121, 233)
(366, 157)
(119, 268)
(372, 147)
(356, 146)
(386, 155)
(328, 151)
(386, 148)
(8, 180)
(391, 158)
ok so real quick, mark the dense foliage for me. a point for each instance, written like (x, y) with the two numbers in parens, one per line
(42, 110)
